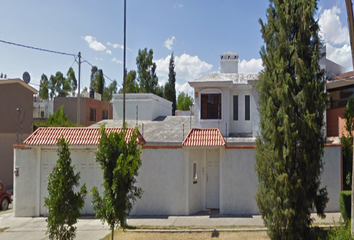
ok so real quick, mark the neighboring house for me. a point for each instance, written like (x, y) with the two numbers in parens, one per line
(91, 110)
(15, 125)
(42, 109)
(141, 106)
(339, 89)
(189, 163)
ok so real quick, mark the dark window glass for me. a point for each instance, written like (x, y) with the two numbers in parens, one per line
(235, 108)
(211, 106)
(104, 114)
(339, 97)
(92, 114)
(247, 108)
(42, 114)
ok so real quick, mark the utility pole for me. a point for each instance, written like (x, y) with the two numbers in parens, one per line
(349, 6)
(124, 63)
(78, 94)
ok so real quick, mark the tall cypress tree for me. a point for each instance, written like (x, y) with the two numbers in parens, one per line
(170, 86)
(292, 104)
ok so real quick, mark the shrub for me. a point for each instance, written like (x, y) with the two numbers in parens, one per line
(340, 233)
(345, 205)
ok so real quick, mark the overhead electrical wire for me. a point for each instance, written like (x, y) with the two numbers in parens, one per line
(85, 61)
(39, 49)
(56, 52)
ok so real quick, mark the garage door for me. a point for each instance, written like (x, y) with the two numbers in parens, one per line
(84, 162)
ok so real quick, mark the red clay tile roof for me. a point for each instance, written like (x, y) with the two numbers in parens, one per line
(343, 75)
(204, 137)
(74, 135)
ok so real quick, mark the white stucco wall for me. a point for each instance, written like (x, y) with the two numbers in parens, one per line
(197, 189)
(162, 177)
(238, 182)
(26, 185)
(149, 105)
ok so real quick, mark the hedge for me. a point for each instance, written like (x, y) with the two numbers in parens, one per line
(345, 204)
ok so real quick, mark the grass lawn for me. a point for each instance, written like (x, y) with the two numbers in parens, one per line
(257, 235)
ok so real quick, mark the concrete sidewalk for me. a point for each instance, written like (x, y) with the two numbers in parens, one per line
(28, 228)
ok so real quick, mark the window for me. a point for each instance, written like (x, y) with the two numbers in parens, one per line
(92, 114)
(235, 108)
(42, 114)
(105, 114)
(247, 108)
(195, 176)
(338, 98)
(211, 106)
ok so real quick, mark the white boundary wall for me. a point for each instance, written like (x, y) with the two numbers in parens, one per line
(166, 177)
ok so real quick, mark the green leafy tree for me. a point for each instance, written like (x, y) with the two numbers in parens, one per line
(94, 71)
(63, 202)
(148, 81)
(292, 102)
(131, 85)
(109, 91)
(347, 144)
(170, 86)
(97, 80)
(120, 162)
(43, 87)
(71, 79)
(60, 86)
(3, 75)
(57, 119)
(184, 101)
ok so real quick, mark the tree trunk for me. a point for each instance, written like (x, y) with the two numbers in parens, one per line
(112, 235)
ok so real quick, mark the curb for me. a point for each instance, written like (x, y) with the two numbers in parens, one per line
(208, 230)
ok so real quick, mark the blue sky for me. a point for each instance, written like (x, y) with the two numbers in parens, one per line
(196, 31)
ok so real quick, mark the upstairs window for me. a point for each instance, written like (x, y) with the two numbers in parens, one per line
(92, 114)
(235, 108)
(211, 106)
(247, 108)
(105, 114)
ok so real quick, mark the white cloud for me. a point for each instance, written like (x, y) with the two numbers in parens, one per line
(331, 27)
(341, 55)
(169, 42)
(116, 60)
(251, 66)
(178, 5)
(94, 44)
(109, 52)
(116, 45)
(186, 67)
(99, 59)
(184, 88)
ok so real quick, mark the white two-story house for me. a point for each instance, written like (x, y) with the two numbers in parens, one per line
(227, 99)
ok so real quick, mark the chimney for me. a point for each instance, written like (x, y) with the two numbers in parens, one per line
(229, 62)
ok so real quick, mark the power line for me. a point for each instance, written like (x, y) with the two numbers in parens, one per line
(39, 49)
(56, 52)
(85, 61)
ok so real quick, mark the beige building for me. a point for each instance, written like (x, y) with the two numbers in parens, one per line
(16, 115)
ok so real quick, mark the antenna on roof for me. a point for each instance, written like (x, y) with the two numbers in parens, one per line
(26, 77)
